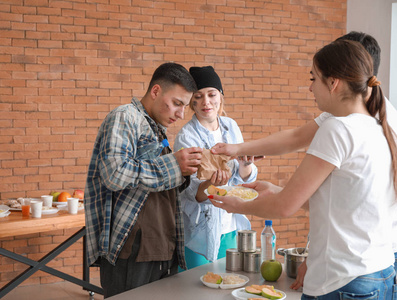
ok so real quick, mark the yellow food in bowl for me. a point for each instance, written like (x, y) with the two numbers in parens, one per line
(242, 193)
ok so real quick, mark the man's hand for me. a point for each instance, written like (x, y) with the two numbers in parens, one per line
(300, 276)
(189, 159)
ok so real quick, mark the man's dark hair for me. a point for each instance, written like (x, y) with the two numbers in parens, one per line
(369, 43)
(169, 74)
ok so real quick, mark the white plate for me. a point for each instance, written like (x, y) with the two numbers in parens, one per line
(226, 286)
(64, 202)
(65, 206)
(241, 294)
(59, 203)
(50, 211)
(5, 209)
(229, 188)
(5, 214)
(20, 208)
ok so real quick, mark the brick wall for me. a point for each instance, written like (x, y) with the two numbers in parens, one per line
(65, 64)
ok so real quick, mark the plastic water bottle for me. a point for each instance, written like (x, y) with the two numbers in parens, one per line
(153, 150)
(268, 241)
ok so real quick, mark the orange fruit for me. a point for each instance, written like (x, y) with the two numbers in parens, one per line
(63, 197)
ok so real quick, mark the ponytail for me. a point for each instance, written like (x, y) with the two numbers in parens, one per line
(376, 104)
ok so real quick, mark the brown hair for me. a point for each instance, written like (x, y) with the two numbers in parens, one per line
(349, 61)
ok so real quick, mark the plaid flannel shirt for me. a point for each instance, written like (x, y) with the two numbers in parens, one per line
(121, 174)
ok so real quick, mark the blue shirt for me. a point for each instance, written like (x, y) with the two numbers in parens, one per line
(122, 172)
(203, 221)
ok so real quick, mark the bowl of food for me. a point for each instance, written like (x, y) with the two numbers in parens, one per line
(4, 210)
(224, 280)
(247, 194)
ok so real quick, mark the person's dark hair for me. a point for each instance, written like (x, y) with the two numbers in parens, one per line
(370, 44)
(169, 74)
(349, 61)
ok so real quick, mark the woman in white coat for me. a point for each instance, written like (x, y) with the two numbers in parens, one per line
(209, 231)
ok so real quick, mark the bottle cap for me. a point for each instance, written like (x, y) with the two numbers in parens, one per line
(268, 222)
(165, 143)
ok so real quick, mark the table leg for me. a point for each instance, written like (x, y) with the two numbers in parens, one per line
(41, 265)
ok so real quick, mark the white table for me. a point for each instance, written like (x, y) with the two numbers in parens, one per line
(187, 285)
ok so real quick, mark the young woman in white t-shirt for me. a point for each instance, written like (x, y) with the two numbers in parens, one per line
(294, 139)
(349, 175)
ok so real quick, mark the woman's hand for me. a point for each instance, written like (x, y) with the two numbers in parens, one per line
(300, 276)
(247, 160)
(244, 165)
(219, 177)
(264, 188)
(238, 205)
(227, 149)
(228, 203)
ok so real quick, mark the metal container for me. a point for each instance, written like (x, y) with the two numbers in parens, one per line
(234, 260)
(292, 259)
(252, 261)
(246, 240)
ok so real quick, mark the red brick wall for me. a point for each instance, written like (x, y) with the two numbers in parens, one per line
(65, 64)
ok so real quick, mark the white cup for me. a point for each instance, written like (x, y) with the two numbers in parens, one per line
(73, 205)
(36, 207)
(47, 200)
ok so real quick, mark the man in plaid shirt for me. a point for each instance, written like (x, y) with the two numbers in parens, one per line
(133, 211)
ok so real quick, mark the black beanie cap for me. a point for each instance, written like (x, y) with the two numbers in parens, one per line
(206, 77)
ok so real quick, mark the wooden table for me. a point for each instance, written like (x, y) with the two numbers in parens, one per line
(187, 285)
(15, 224)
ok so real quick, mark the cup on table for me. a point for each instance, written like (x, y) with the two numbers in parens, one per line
(73, 205)
(36, 207)
(25, 205)
(47, 200)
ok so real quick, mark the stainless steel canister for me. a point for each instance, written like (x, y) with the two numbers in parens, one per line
(292, 259)
(246, 240)
(234, 260)
(252, 261)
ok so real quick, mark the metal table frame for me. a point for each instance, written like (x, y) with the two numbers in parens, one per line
(42, 265)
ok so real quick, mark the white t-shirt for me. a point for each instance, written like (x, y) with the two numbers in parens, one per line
(350, 219)
(228, 222)
(391, 115)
